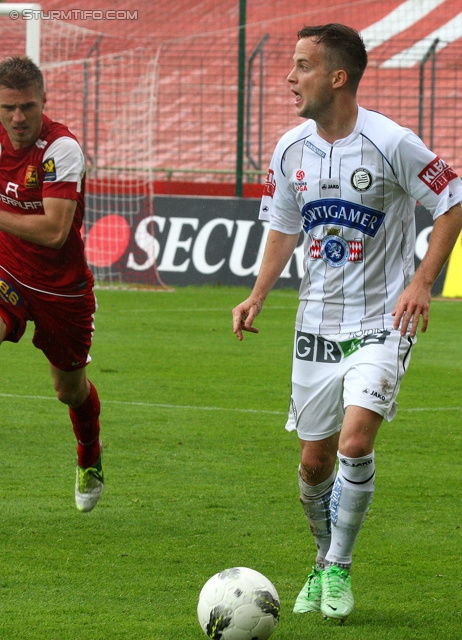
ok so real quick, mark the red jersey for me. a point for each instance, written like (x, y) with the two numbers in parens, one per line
(52, 167)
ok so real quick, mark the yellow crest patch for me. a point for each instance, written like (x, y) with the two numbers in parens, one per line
(31, 178)
(49, 165)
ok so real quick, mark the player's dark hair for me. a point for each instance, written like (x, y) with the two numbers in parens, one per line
(20, 72)
(344, 48)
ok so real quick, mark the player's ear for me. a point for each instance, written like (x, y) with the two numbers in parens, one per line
(339, 78)
(44, 99)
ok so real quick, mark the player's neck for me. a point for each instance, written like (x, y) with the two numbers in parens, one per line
(339, 124)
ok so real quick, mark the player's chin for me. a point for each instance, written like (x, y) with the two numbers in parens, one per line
(302, 112)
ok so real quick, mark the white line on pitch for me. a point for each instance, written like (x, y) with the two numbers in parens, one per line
(199, 310)
(156, 405)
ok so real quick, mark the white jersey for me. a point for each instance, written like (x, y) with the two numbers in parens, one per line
(355, 201)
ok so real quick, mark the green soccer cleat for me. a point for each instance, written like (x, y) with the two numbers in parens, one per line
(309, 598)
(89, 484)
(337, 598)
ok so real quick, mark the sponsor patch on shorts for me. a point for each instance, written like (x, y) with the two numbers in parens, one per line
(320, 349)
(9, 294)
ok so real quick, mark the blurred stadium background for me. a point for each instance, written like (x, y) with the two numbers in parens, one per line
(189, 97)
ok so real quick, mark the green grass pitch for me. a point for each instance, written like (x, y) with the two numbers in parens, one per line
(201, 476)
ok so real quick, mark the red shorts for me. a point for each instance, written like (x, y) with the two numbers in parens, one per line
(64, 325)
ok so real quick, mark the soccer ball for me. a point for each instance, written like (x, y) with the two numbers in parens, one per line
(238, 604)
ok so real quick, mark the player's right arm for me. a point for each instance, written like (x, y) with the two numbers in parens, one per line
(278, 250)
(414, 302)
(49, 230)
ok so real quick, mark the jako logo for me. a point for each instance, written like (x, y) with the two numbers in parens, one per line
(374, 394)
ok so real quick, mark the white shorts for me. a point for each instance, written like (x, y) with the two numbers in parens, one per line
(330, 373)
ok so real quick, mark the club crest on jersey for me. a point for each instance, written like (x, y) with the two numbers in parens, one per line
(50, 169)
(361, 179)
(31, 177)
(336, 251)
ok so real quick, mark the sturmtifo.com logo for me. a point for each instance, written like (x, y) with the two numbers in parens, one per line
(73, 14)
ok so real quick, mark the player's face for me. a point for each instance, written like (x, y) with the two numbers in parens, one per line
(311, 80)
(21, 114)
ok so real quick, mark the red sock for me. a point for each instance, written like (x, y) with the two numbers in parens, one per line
(85, 422)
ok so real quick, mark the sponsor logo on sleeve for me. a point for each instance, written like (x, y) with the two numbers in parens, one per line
(49, 167)
(270, 184)
(437, 175)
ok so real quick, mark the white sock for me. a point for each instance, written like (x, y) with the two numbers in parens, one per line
(316, 505)
(350, 500)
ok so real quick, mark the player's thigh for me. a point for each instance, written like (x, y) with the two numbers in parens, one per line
(14, 309)
(316, 406)
(359, 430)
(2, 329)
(64, 330)
(375, 373)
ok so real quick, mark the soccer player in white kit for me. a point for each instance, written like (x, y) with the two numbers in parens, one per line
(350, 179)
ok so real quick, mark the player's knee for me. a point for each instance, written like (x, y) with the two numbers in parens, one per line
(318, 459)
(73, 396)
(66, 396)
(355, 445)
(316, 469)
(72, 388)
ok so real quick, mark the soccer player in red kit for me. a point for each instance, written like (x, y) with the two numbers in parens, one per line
(44, 277)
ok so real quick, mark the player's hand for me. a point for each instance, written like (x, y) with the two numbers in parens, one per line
(244, 315)
(413, 304)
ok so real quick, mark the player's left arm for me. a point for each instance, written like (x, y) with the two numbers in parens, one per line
(414, 302)
(49, 230)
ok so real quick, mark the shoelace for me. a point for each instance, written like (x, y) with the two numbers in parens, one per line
(336, 582)
(86, 477)
(314, 589)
